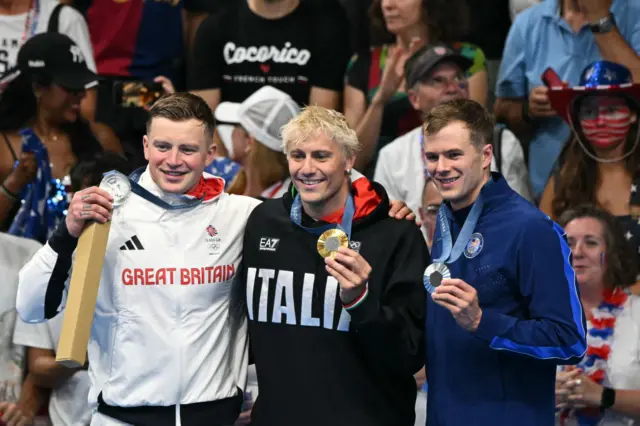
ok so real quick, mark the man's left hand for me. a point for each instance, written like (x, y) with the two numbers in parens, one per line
(352, 272)
(594, 9)
(461, 300)
(399, 210)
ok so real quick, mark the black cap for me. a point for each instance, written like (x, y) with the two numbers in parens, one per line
(422, 62)
(58, 57)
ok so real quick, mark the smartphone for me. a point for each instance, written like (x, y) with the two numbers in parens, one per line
(551, 79)
(136, 93)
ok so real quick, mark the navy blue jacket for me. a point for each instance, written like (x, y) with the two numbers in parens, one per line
(503, 374)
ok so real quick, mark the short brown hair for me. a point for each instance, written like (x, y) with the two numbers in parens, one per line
(475, 117)
(621, 265)
(183, 107)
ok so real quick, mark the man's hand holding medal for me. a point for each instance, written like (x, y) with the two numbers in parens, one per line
(461, 300)
(351, 271)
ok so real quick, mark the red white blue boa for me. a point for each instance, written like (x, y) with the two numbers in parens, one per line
(599, 339)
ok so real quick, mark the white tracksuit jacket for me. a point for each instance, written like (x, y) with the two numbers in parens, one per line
(162, 332)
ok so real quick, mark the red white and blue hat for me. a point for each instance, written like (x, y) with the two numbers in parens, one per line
(599, 78)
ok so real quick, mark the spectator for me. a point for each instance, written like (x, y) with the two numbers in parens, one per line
(434, 76)
(375, 99)
(42, 131)
(133, 41)
(22, 19)
(601, 162)
(299, 47)
(266, 174)
(566, 35)
(15, 252)
(69, 387)
(605, 387)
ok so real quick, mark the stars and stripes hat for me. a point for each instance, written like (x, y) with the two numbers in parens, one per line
(599, 78)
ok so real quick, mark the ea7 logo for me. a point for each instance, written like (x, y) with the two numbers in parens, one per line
(269, 244)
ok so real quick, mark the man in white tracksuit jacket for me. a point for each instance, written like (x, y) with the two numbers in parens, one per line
(165, 348)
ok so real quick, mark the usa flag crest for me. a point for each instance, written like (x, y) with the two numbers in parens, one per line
(212, 231)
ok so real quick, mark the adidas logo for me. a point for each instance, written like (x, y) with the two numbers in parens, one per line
(132, 244)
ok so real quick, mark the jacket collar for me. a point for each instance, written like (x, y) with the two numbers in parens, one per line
(209, 187)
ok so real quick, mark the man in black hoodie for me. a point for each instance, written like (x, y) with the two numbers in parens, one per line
(334, 290)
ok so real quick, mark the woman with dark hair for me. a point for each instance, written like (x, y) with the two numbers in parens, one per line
(601, 164)
(42, 134)
(375, 99)
(605, 387)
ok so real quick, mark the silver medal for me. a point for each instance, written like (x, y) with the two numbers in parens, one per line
(434, 274)
(118, 186)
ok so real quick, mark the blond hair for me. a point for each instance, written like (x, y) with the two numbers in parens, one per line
(315, 119)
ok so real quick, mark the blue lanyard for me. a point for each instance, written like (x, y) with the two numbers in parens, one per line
(451, 252)
(152, 198)
(345, 225)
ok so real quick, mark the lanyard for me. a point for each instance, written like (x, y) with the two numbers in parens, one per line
(345, 225)
(185, 202)
(451, 252)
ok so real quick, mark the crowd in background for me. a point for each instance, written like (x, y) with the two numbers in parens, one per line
(568, 146)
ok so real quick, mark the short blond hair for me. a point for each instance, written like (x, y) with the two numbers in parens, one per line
(314, 119)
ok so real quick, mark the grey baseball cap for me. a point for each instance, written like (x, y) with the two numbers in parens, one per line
(425, 60)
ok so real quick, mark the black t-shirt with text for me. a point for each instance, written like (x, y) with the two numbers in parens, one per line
(238, 51)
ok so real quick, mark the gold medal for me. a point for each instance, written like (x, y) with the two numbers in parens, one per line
(330, 241)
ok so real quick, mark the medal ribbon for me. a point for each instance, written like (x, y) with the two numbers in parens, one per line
(345, 225)
(451, 252)
(185, 202)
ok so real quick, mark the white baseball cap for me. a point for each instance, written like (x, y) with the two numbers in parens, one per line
(262, 115)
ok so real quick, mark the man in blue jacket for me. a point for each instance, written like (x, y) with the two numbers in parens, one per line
(504, 308)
